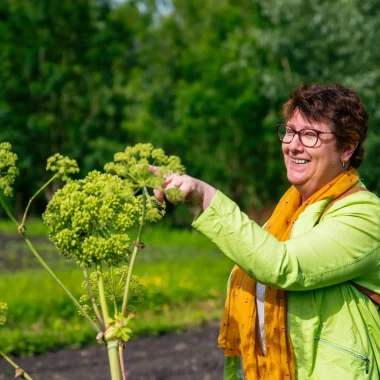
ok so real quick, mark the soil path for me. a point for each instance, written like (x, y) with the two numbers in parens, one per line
(189, 356)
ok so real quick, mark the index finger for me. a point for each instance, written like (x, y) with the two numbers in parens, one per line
(154, 169)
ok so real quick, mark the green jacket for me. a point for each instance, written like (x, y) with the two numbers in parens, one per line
(334, 328)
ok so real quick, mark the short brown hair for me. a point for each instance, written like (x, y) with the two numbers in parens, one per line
(338, 107)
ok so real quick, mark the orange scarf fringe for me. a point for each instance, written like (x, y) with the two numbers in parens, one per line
(238, 336)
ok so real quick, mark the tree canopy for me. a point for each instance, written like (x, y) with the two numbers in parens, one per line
(203, 80)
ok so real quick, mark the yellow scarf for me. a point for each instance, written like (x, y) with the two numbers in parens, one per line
(238, 335)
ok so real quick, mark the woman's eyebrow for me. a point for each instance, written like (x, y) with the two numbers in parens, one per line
(304, 127)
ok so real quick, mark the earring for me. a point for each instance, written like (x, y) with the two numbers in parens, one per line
(343, 164)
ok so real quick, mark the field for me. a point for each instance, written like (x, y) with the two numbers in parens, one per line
(185, 276)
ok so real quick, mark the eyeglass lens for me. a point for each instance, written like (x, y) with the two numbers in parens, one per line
(308, 137)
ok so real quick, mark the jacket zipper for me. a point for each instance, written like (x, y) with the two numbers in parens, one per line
(360, 356)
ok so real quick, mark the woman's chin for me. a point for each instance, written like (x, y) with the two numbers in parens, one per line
(296, 179)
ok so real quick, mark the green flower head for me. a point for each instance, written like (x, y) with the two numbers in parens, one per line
(8, 169)
(89, 219)
(3, 312)
(134, 162)
(63, 166)
(154, 211)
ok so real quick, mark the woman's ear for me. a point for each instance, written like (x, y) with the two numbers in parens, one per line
(348, 152)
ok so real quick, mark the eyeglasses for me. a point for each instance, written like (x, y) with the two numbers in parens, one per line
(308, 136)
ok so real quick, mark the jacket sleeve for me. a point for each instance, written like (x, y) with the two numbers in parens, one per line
(345, 245)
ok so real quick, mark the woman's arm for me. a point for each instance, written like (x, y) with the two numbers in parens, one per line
(344, 246)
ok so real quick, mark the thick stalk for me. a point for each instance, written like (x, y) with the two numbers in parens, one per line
(134, 254)
(113, 357)
(112, 345)
(16, 367)
(93, 301)
(22, 225)
(58, 281)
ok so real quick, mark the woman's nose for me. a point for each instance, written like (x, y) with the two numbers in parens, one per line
(296, 144)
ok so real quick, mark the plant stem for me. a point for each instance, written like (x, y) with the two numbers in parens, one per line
(113, 290)
(14, 365)
(58, 281)
(113, 356)
(102, 295)
(121, 358)
(9, 214)
(93, 301)
(112, 345)
(134, 254)
(32, 199)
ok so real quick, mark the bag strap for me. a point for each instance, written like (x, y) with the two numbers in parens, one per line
(348, 192)
(374, 297)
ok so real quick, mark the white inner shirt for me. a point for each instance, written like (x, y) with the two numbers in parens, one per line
(260, 295)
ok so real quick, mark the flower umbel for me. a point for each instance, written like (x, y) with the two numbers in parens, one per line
(89, 219)
(64, 167)
(134, 162)
(3, 312)
(8, 169)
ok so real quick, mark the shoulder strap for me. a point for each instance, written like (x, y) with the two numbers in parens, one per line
(348, 192)
(374, 297)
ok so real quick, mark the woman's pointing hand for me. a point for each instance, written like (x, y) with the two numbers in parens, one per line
(194, 191)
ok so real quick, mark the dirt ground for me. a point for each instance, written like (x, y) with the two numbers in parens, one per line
(190, 356)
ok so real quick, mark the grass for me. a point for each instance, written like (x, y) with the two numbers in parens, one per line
(159, 235)
(35, 227)
(185, 276)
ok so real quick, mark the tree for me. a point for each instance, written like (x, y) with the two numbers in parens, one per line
(323, 41)
(201, 93)
(63, 66)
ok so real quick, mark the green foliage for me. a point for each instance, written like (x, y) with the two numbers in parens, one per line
(174, 268)
(336, 42)
(118, 328)
(204, 82)
(217, 112)
(227, 69)
(8, 169)
(62, 90)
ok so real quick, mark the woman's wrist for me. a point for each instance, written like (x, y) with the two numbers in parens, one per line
(208, 195)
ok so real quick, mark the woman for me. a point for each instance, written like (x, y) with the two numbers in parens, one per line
(295, 308)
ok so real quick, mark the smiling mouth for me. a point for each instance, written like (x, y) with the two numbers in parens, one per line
(299, 161)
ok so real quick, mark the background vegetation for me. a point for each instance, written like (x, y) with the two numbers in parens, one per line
(180, 291)
(205, 80)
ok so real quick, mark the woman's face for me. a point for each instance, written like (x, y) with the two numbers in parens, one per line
(309, 169)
